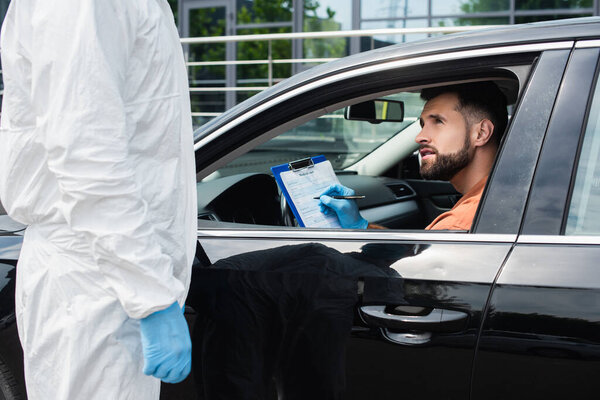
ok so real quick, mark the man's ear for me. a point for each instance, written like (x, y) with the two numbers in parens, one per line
(485, 129)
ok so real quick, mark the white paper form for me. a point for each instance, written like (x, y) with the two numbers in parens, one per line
(305, 184)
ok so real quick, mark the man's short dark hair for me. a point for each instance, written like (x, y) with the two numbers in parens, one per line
(477, 100)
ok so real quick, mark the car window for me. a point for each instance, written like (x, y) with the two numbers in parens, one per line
(584, 210)
(343, 142)
(371, 145)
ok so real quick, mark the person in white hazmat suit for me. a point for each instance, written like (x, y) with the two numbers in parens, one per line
(96, 157)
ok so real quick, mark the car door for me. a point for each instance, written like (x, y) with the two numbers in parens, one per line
(541, 335)
(383, 314)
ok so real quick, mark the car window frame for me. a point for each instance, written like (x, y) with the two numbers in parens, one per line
(594, 89)
(551, 190)
(503, 203)
(257, 124)
(476, 63)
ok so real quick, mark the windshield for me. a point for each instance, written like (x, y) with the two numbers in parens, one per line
(341, 141)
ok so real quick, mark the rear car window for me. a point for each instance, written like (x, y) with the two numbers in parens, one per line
(584, 210)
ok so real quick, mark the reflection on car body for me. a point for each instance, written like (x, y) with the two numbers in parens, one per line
(523, 283)
(284, 312)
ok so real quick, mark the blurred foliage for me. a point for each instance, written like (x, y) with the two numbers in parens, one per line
(173, 4)
(317, 48)
(264, 11)
(258, 12)
(474, 6)
(210, 22)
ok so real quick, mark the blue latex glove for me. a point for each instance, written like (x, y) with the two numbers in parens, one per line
(346, 210)
(166, 345)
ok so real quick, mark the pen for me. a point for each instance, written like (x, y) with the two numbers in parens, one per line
(355, 197)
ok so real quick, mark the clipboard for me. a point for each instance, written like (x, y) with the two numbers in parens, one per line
(310, 176)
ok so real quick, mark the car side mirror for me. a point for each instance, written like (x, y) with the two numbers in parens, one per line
(376, 111)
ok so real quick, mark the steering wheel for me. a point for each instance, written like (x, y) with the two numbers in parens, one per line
(287, 216)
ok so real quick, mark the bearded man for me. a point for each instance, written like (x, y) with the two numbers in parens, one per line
(461, 128)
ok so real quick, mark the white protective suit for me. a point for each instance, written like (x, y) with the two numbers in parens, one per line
(96, 157)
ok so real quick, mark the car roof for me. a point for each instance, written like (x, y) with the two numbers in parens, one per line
(538, 32)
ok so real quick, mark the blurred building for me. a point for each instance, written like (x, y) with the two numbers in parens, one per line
(201, 18)
(220, 86)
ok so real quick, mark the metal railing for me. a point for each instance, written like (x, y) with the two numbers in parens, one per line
(270, 61)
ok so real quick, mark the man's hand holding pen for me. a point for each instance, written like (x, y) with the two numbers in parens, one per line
(338, 199)
(355, 197)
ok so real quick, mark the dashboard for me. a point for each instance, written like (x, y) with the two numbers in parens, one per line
(254, 198)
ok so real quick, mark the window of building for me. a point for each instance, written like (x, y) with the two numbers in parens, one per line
(525, 19)
(385, 40)
(323, 16)
(255, 76)
(551, 4)
(446, 7)
(203, 22)
(263, 11)
(392, 9)
(221, 65)
(472, 21)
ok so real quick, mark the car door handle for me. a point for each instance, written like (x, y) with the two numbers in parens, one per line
(403, 318)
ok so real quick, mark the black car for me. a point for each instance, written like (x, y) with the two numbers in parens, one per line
(509, 309)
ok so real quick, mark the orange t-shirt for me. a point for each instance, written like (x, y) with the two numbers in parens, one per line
(460, 217)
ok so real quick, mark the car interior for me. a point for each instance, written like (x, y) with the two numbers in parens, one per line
(374, 154)
(370, 142)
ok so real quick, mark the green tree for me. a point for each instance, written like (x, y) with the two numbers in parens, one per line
(317, 48)
(475, 6)
(264, 11)
(206, 22)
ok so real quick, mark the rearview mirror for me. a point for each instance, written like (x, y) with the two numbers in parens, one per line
(376, 111)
